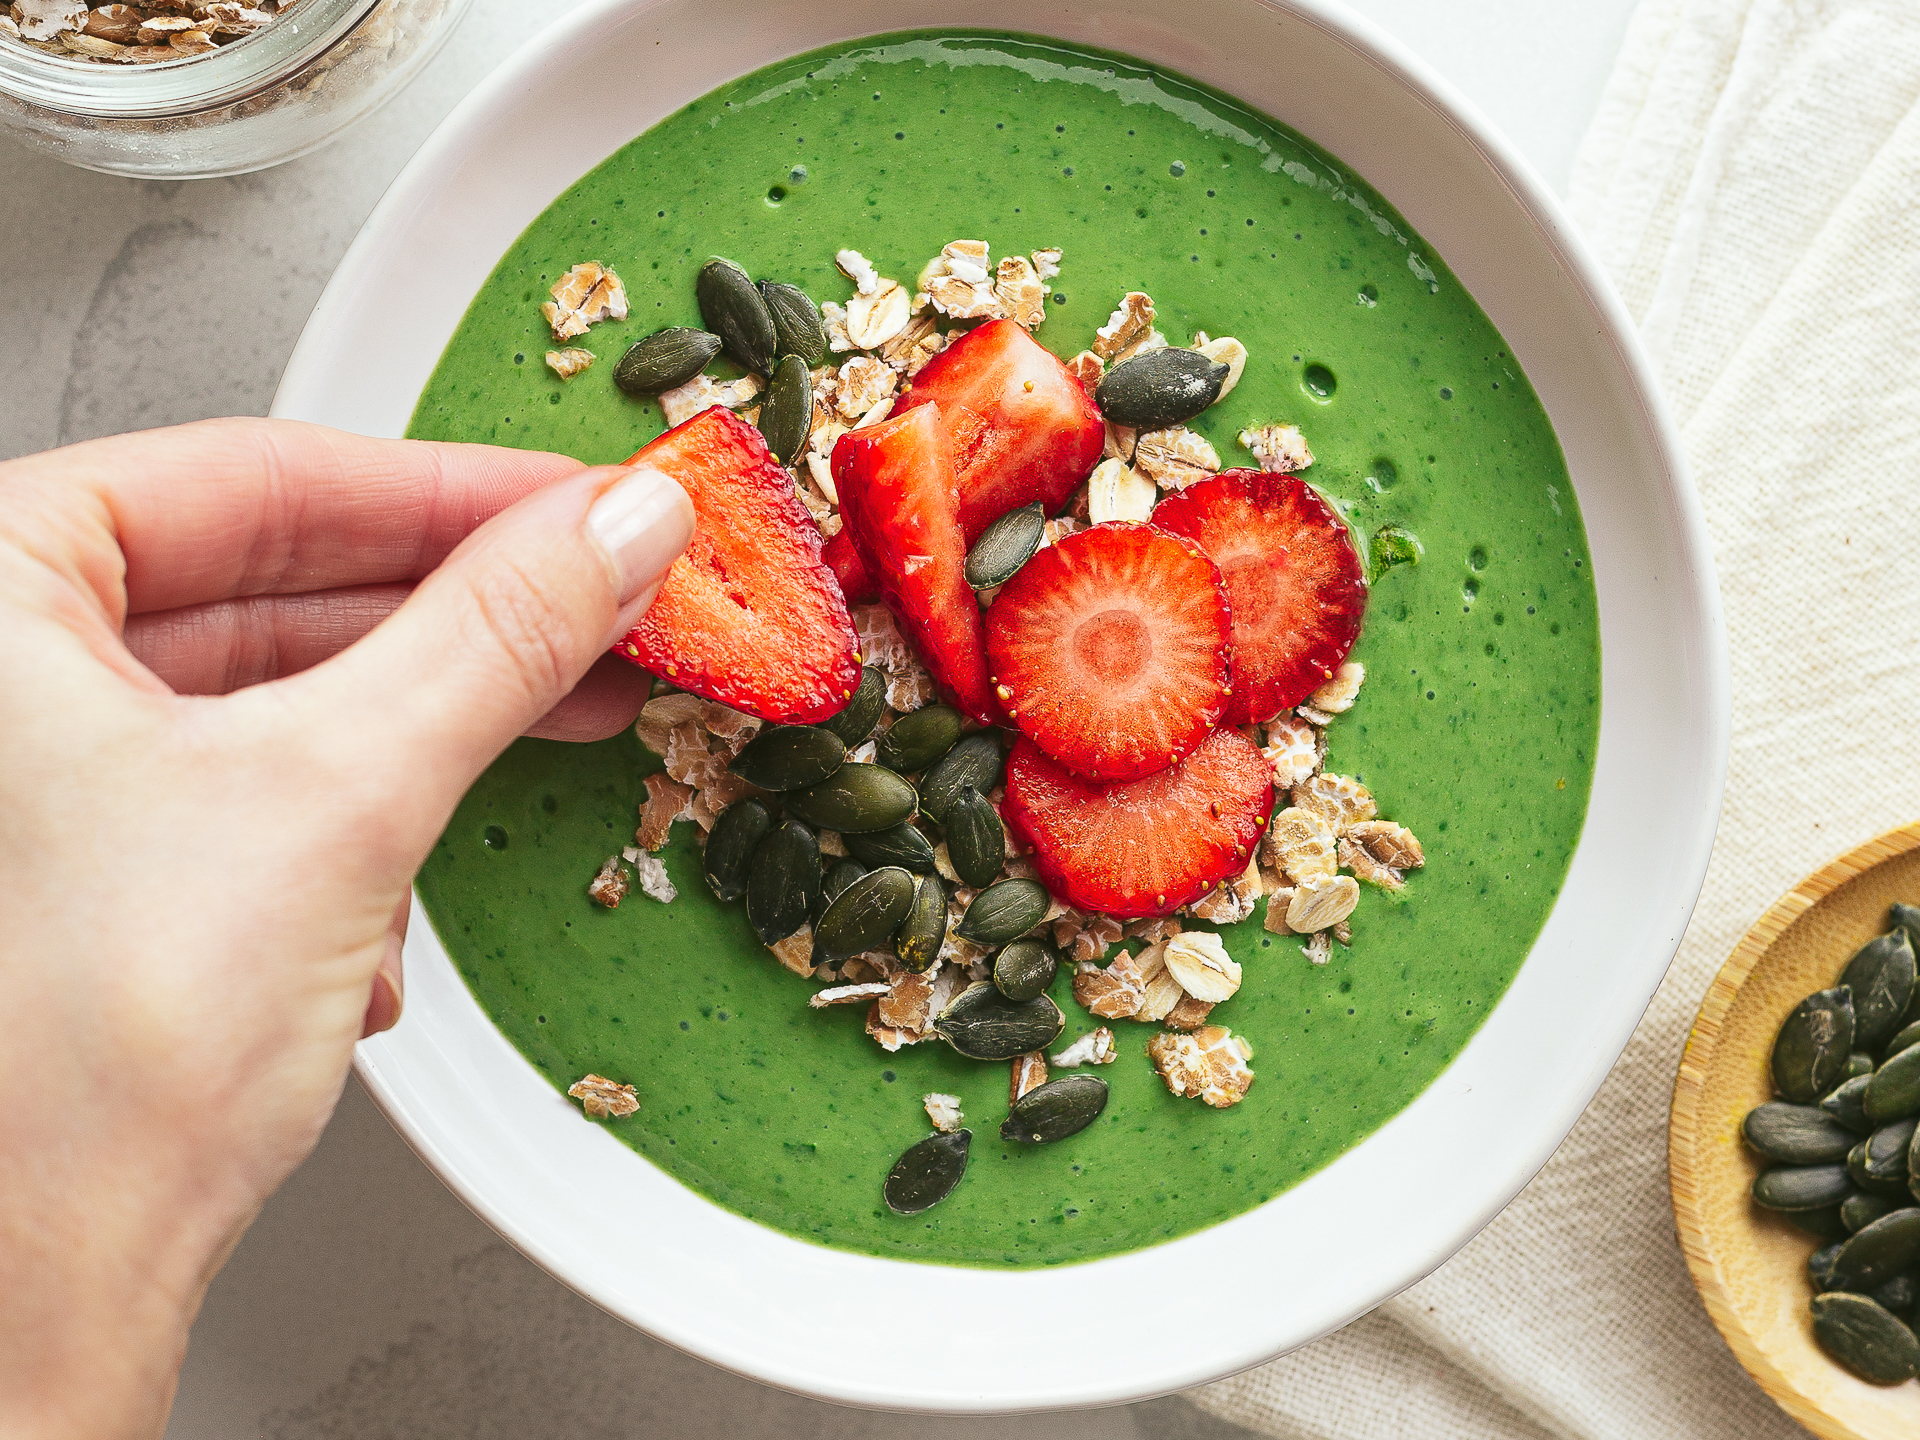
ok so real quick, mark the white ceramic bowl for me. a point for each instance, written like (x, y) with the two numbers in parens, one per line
(848, 1327)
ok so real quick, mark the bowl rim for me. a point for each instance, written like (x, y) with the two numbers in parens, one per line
(1701, 637)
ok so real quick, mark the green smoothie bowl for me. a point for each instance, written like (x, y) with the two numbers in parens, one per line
(1382, 301)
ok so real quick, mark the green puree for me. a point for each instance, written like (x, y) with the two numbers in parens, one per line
(1476, 726)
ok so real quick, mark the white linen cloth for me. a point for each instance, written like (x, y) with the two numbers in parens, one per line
(1752, 183)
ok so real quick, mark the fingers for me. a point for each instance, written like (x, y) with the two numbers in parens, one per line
(607, 700)
(387, 996)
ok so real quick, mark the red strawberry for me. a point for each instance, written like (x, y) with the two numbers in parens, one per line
(1032, 435)
(1293, 578)
(1147, 847)
(749, 615)
(1110, 650)
(856, 582)
(897, 495)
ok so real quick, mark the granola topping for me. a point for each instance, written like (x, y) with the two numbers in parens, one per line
(1294, 748)
(1117, 492)
(1336, 697)
(1303, 843)
(1020, 292)
(1175, 458)
(1127, 330)
(1028, 1073)
(1096, 1047)
(568, 363)
(1281, 449)
(1318, 903)
(845, 995)
(1340, 799)
(1209, 1065)
(609, 887)
(603, 1099)
(1381, 852)
(944, 1111)
(583, 297)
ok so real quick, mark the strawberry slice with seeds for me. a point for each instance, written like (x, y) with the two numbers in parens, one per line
(1149, 846)
(1023, 428)
(750, 615)
(1109, 649)
(843, 558)
(899, 499)
(1293, 579)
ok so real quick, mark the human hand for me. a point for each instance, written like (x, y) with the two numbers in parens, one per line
(204, 893)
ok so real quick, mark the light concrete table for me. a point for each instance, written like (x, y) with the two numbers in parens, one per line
(367, 1302)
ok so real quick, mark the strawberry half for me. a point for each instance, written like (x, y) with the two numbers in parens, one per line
(1109, 649)
(1147, 847)
(898, 498)
(749, 615)
(1293, 579)
(1033, 433)
(856, 582)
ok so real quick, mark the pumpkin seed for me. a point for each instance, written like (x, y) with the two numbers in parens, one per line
(1906, 1039)
(1847, 1103)
(1857, 1168)
(736, 832)
(855, 799)
(864, 914)
(796, 321)
(918, 940)
(840, 874)
(665, 360)
(1811, 1049)
(1861, 1335)
(1797, 1134)
(783, 882)
(1887, 1147)
(786, 415)
(1004, 546)
(1859, 1063)
(1881, 977)
(915, 741)
(1894, 1091)
(976, 838)
(732, 309)
(1861, 1210)
(1824, 1224)
(927, 1173)
(1159, 388)
(1896, 1295)
(983, 1024)
(1907, 917)
(1806, 1187)
(1392, 545)
(974, 761)
(1025, 969)
(1885, 1248)
(1820, 1265)
(1055, 1110)
(855, 723)
(789, 757)
(1004, 911)
(901, 845)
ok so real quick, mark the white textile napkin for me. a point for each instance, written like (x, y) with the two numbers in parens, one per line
(1752, 182)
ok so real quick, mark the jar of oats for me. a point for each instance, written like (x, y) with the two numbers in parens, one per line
(181, 89)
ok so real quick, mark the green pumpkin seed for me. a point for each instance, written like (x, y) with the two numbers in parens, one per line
(983, 1024)
(1886, 1153)
(1004, 546)
(854, 800)
(1025, 969)
(975, 761)
(918, 940)
(1881, 977)
(1861, 1210)
(1897, 1295)
(1807, 1187)
(855, 723)
(901, 845)
(786, 415)
(732, 308)
(927, 1173)
(789, 757)
(864, 915)
(1888, 1247)
(1159, 388)
(1894, 1091)
(1392, 545)
(1820, 1264)
(1907, 917)
(665, 360)
(736, 833)
(840, 874)
(783, 882)
(1859, 1063)
(1811, 1050)
(915, 741)
(1906, 1039)
(1857, 1168)
(1004, 911)
(1055, 1110)
(1861, 1335)
(1797, 1134)
(1824, 1224)
(796, 322)
(976, 839)
(1848, 1104)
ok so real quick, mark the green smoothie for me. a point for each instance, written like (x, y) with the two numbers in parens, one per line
(1476, 727)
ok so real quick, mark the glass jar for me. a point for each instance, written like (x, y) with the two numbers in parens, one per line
(260, 100)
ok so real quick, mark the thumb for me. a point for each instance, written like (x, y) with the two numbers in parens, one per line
(500, 632)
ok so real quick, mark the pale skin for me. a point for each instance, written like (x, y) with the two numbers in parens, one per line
(247, 668)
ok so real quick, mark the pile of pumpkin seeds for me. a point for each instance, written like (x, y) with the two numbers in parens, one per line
(1842, 1139)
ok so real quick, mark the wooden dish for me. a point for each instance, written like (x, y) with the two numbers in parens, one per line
(1750, 1267)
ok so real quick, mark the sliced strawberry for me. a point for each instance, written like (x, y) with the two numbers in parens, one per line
(1147, 847)
(843, 558)
(1293, 578)
(1033, 434)
(749, 615)
(1110, 650)
(897, 495)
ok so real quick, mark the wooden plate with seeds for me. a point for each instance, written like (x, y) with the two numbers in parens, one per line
(1749, 1265)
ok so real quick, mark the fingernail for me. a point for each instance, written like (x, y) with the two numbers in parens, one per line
(643, 521)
